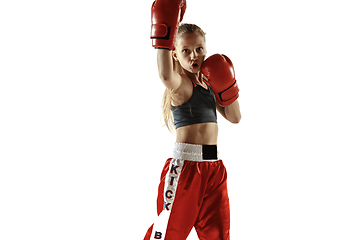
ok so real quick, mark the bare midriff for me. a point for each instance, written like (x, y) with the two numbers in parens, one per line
(202, 134)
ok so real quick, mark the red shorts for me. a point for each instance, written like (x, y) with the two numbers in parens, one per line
(192, 193)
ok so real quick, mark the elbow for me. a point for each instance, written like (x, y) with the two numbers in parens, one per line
(236, 119)
(165, 77)
(232, 113)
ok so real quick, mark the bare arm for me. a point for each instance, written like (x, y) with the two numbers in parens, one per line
(231, 112)
(167, 74)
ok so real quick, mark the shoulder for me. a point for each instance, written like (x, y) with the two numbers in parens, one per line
(183, 93)
(184, 84)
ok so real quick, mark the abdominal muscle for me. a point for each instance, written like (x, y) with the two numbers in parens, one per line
(202, 134)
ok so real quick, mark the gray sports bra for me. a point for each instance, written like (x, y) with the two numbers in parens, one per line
(201, 108)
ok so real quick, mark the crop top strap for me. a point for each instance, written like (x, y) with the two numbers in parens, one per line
(194, 84)
(203, 78)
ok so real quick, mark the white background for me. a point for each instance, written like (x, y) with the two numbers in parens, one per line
(82, 143)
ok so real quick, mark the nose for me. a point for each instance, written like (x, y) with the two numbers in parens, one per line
(194, 55)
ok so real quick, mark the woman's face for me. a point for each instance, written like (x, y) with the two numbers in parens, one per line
(190, 51)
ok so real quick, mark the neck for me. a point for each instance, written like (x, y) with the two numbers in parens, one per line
(194, 77)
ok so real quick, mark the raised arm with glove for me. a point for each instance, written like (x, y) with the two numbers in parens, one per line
(165, 18)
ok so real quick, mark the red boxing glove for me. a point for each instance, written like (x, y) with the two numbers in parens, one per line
(165, 18)
(220, 73)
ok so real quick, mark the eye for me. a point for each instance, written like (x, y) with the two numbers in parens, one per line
(200, 49)
(185, 50)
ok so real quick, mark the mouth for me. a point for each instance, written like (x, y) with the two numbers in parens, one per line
(195, 65)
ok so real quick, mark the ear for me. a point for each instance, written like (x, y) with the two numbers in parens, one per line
(205, 50)
(174, 55)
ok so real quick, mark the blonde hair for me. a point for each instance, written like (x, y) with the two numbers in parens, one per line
(184, 28)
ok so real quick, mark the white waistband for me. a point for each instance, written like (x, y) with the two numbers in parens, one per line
(192, 152)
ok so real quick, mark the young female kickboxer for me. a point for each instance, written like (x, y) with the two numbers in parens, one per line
(192, 191)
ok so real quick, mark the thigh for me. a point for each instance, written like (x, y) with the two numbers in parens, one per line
(179, 200)
(213, 222)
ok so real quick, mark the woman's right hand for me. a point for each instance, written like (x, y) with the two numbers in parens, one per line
(165, 18)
